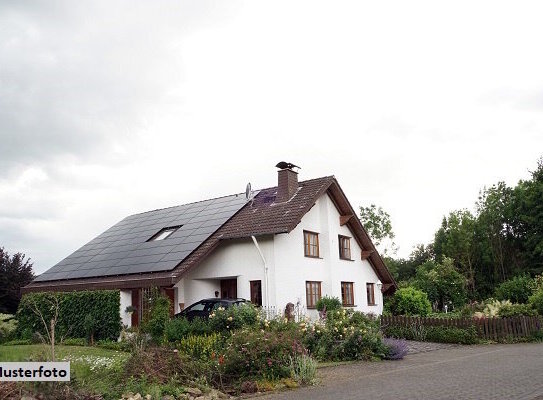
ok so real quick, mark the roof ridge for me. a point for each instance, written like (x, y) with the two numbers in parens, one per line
(228, 195)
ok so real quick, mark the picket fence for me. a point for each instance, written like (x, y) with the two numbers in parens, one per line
(487, 328)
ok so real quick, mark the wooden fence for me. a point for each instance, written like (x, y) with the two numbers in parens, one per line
(487, 328)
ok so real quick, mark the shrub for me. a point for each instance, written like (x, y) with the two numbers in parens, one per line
(199, 347)
(516, 290)
(536, 300)
(176, 329)
(345, 335)
(447, 334)
(395, 349)
(102, 305)
(440, 334)
(304, 369)
(8, 327)
(410, 301)
(233, 318)
(113, 345)
(75, 342)
(159, 315)
(516, 310)
(331, 303)
(260, 354)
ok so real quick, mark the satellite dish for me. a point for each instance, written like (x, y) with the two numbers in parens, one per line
(248, 191)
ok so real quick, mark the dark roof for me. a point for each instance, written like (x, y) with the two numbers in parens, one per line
(125, 247)
(261, 216)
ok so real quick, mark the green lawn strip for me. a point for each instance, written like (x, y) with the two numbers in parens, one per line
(93, 368)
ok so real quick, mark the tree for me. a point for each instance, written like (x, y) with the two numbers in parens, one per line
(15, 272)
(377, 222)
(456, 240)
(442, 283)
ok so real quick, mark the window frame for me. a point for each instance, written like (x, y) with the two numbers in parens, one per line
(308, 246)
(344, 299)
(370, 293)
(256, 294)
(310, 294)
(342, 249)
(170, 230)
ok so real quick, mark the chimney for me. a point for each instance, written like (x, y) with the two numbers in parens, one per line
(287, 182)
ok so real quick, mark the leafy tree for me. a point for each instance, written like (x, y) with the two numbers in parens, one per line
(517, 289)
(442, 283)
(409, 301)
(377, 222)
(15, 272)
(455, 239)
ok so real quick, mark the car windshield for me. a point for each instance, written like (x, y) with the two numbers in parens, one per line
(200, 306)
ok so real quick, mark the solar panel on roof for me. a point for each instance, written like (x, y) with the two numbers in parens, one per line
(124, 249)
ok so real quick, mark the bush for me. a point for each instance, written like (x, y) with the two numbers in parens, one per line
(439, 334)
(331, 303)
(410, 301)
(159, 316)
(516, 290)
(233, 318)
(102, 305)
(536, 301)
(199, 347)
(259, 354)
(345, 335)
(304, 369)
(75, 342)
(8, 327)
(395, 349)
(516, 310)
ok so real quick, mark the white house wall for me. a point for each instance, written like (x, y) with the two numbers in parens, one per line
(293, 269)
(238, 259)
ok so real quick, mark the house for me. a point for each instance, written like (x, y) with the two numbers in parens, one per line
(292, 243)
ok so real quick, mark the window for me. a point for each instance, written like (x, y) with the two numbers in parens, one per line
(344, 247)
(256, 292)
(347, 293)
(311, 244)
(370, 290)
(164, 233)
(312, 293)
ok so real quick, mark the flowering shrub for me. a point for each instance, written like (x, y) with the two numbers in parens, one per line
(260, 354)
(233, 318)
(199, 347)
(345, 335)
(396, 349)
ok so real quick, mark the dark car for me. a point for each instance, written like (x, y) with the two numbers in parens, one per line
(203, 308)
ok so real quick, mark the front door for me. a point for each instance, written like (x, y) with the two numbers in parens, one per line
(229, 289)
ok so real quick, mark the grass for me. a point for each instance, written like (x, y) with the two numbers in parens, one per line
(38, 351)
(92, 368)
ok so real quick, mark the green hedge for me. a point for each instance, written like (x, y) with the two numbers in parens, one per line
(79, 314)
(439, 334)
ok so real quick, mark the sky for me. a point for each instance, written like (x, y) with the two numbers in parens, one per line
(109, 108)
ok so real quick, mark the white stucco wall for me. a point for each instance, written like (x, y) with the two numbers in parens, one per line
(293, 269)
(288, 268)
(126, 301)
(232, 259)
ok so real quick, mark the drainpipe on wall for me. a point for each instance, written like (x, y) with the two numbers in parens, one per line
(265, 269)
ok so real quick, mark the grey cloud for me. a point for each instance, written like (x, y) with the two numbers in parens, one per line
(71, 75)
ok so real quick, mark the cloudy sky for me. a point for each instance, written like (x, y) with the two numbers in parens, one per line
(108, 108)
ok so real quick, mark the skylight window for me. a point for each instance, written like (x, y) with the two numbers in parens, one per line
(164, 233)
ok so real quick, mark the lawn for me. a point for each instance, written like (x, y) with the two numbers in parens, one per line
(92, 368)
